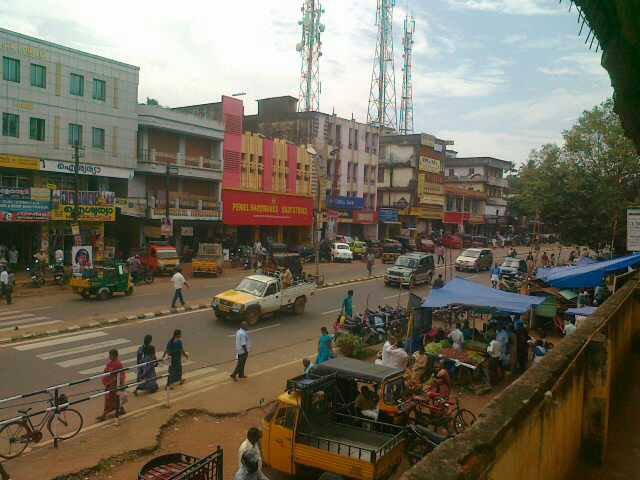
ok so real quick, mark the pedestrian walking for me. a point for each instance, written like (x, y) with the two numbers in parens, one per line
(495, 276)
(13, 258)
(146, 373)
(325, 346)
(5, 284)
(178, 282)
(111, 383)
(370, 261)
(440, 253)
(243, 346)
(250, 457)
(347, 305)
(175, 350)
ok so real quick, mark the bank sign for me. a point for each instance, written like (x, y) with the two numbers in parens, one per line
(347, 203)
(268, 209)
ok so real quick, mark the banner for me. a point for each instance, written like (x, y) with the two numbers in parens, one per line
(81, 257)
(87, 213)
(388, 215)
(85, 169)
(16, 161)
(166, 227)
(66, 197)
(432, 165)
(18, 210)
(347, 203)
(269, 209)
(633, 229)
(365, 218)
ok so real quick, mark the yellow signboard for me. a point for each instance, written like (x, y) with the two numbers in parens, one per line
(432, 200)
(87, 213)
(426, 213)
(16, 161)
(432, 165)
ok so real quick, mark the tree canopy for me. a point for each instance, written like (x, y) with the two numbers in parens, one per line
(581, 189)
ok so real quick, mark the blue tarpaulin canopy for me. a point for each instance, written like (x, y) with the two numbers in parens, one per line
(463, 292)
(586, 276)
(584, 311)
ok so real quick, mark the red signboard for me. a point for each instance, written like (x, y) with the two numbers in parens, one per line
(365, 218)
(268, 209)
(457, 218)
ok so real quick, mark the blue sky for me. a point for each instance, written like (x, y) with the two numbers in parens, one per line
(498, 77)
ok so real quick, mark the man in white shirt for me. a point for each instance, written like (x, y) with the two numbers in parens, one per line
(58, 255)
(457, 337)
(243, 346)
(393, 355)
(178, 282)
(249, 451)
(569, 328)
(5, 284)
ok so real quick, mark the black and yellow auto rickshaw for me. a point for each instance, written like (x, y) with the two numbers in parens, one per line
(103, 281)
(391, 250)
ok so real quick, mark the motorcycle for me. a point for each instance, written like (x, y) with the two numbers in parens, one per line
(421, 442)
(36, 274)
(510, 283)
(58, 273)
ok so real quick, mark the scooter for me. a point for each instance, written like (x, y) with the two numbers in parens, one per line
(36, 273)
(58, 273)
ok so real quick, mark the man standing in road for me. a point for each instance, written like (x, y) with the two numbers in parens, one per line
(243, 346)
(370, 261)
(178, 282)
(5, 283)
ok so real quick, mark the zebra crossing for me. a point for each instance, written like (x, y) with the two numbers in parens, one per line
(12, 319)
(85, 354)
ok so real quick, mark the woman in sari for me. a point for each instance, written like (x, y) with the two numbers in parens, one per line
(175, 350)
(325, 346)
(111, 383)
(147, 372)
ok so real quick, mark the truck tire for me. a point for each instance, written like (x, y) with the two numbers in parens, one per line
(253, 316)
(298, 305)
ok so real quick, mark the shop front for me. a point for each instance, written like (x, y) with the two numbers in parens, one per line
(454, 221)
(249, 216)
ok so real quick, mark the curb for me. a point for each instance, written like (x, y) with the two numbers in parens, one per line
(148, 315)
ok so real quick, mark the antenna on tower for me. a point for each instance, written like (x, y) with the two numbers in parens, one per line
(310, 48)
(382, 110)
(406, 101)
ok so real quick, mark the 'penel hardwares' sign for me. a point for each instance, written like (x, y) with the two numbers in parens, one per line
(269, 209)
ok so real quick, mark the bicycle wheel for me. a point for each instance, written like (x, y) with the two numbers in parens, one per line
(463, 419)
(65, 424)
(14, 438)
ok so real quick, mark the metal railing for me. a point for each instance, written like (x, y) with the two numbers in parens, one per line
(179, 159)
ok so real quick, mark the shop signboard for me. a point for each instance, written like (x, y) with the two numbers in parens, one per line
(388, 215)
(81, 257)
(432, 165)
(365, 218)
(166, 227)
(86, 213)
(59, 166)
(266, 209)
(633, 229)
(347, 203)
(432, 199)
(19, 210)
(17, 161)
(86, 198)
(186, 231)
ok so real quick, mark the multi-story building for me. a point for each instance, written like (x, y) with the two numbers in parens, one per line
(410, 183)
(472, 176)
(266, 186)
(345, 162)
(180, 155)
(54, 98)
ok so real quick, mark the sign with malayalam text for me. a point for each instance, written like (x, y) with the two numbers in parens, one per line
(633, 229)
(269, 209)
(388, 215)
(432, 165)
(17, 161)
(84, 169)
(20, 210)
(86, 213)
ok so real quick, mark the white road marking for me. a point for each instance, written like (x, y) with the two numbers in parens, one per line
(11, 312)
(94, 358)
(59, 341)
(82, 348)
(23, 321)
(38, 324)
(256, 330)
(395, 296)
(329, 312)
(8, 318)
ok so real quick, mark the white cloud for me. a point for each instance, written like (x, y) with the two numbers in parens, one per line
(581, 63)
(515, 38)
(514, 7)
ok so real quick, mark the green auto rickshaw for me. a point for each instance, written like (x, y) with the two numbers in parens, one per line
(103, 281)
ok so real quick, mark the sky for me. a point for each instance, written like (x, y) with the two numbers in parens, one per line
(498, 77)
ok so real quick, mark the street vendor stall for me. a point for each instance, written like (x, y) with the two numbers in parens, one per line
(586, 276)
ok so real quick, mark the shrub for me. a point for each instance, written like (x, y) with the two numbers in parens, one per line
(351, 346)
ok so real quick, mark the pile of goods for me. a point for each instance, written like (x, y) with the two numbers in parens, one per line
(465, 356)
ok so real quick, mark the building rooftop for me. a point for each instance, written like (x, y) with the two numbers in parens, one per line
(478, 162)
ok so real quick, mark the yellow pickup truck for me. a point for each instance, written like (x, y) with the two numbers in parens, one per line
(305, 431)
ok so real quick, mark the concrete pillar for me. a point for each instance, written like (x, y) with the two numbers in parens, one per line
(182, 149)
(280, 234)
(597, 389)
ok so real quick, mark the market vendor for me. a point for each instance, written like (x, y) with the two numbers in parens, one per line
(457, 337)
(441, 385)
(366, 403)
(393, 355)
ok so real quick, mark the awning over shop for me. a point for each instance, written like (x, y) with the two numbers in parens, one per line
(463, 292)
(586, 276)
(584, 311)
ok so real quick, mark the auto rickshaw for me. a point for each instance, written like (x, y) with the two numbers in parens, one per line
(358, 248)
(391, 250)
(103, 281)
(209, 260)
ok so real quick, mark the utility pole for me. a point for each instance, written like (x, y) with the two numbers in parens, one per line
(76, 159)
(166, 192)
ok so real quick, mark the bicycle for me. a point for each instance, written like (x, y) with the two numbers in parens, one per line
(63, 423)
(443, 413)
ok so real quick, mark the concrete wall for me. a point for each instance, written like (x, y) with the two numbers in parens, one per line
(556, 414)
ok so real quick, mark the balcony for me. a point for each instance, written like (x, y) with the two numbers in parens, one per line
(152, 161)
(477, 178)
(185, 207)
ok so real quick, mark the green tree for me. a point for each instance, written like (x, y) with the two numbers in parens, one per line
(582, 188)
(153, 101)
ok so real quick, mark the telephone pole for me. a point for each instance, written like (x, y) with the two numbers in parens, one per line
(76, 169)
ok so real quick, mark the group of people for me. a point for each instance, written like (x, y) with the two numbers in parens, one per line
(9, 257)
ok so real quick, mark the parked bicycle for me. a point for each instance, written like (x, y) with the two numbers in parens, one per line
(62, 423)
(443, 414)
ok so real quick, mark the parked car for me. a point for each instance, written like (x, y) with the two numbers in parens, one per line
(512, 266)
(410, 269)
(341, 252)
(481, 241)
(426, 245)
(475, 259)
(452, 241)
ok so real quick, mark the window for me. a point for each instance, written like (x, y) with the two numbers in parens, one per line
(472, 171)
(99, 90)
(36, 129)
(380, 174)
(10, 125)
(38, 76)
(451, 172)
(350, 137)
(366, 141)
(75, 134)
(76, 85)
(14, 181)
(338, 135)
(97, 138)
(11, 69)
(271, 290)
(355, 139)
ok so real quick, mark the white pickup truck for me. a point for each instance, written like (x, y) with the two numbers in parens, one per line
(260, 295)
